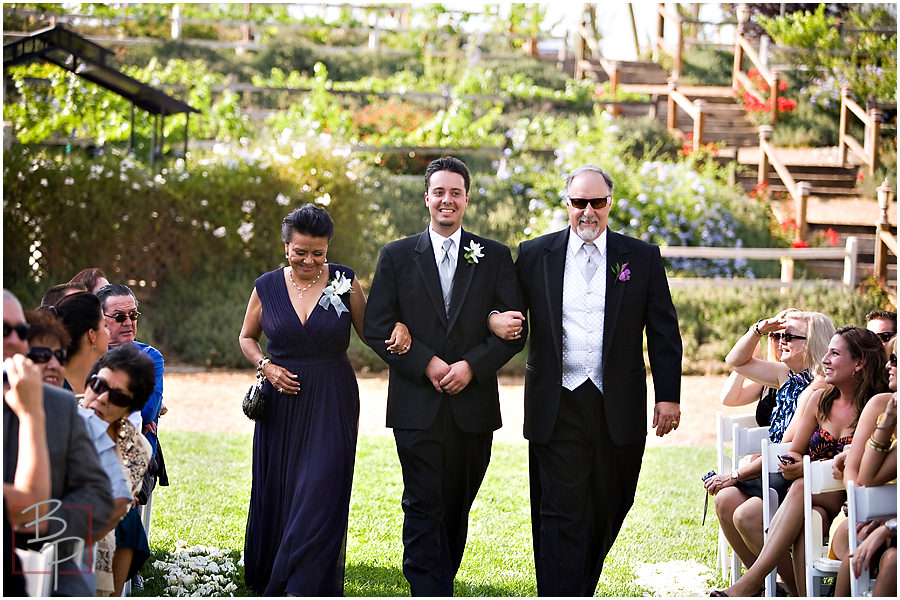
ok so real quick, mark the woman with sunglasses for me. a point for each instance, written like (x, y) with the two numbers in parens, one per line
(47, 345)
(854, 372)
(117, 385)
(803, 339)
(84, 320)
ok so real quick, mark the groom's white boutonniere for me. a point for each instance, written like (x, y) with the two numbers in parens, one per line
(473, 252)
(338, 286)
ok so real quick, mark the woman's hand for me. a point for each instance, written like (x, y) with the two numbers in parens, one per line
(866, 551)
(507, 325)
(889, 420)
(400, 339)
(837, 467)
(717, 483)
(792, 470)
(283, 380)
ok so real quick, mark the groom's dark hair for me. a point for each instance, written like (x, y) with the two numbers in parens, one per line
(447, 163)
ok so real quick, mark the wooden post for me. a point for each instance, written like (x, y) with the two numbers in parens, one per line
(842, 129)
(762, 174)
(700, 105)
(660, 29)
(787, 270)
(679, 49)
(614, 110)
(773, 97)
(850, 261)
(743, 15)
(885, 194)
(671, 107)
(803, 188)
(875, 121)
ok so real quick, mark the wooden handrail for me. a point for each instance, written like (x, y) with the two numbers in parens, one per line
(868, 150)
(662, 14)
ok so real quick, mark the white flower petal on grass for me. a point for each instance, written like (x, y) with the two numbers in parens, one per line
(677, 578)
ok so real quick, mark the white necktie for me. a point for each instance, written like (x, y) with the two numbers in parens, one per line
(590, 264)
(445, 269)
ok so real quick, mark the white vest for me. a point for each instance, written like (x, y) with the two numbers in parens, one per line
(583, 312)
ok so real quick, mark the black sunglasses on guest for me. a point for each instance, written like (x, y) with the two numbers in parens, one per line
(785, 337)
(23, 329)
(596, 203)
(41, 355)
(893, 360)
(886, 336)
(117, 397)
(120, 317)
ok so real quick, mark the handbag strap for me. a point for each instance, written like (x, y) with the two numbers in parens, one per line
(259, 375)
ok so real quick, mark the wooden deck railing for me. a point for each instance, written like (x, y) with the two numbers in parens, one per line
(799, 191)
(868, 150)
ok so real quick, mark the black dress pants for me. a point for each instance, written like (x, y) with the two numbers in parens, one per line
(582, 486)
(443, 467)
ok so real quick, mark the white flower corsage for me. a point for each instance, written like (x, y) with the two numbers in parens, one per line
(333, 291)
(473, 252)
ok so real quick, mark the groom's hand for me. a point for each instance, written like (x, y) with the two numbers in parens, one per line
(666, 416)
(435, 371)
(458, 378)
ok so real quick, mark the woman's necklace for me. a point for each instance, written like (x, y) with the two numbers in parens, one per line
(299, 289)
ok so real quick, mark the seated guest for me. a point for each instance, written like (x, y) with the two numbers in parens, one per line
(84, 320)
(120, 383)
(92, 278)
(76, 478)
(60, 291)
(883, 323)
(48, 344)
(854, 371)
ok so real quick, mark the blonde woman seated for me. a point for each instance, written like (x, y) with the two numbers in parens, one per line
(854, 371)
(120, 383)
(802, 339)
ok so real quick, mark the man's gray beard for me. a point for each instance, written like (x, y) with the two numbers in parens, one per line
(588, 233)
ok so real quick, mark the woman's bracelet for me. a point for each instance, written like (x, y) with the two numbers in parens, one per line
(878, 446)
(756, 328)
(262, 363)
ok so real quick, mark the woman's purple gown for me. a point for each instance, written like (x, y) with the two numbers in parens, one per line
(303, 451)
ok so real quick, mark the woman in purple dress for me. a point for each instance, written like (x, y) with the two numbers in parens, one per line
(305, 445)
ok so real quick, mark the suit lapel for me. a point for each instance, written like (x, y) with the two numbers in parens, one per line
(427, 268)
(462, 278)
(553, 267)
(616, 254)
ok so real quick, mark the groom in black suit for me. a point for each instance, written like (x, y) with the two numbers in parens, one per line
(443, 401)
(591, 294)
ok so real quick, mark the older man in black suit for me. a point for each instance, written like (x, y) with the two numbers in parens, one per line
(590, 294)
(443, 400)
(77, 480)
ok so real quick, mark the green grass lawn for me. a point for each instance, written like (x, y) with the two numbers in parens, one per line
(206, 504)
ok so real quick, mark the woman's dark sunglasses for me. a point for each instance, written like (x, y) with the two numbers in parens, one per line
(120, 317)
(893, 360)
(785, 337)
(23, 329)
(596, 203)
(41, 355)
(117, 397)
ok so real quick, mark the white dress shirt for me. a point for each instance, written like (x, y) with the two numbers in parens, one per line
(583, 312)
(437, 241)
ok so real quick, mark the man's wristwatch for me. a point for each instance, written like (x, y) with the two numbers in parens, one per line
(891, 525)
(735, 476)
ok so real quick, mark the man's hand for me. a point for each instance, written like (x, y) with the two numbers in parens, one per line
(435, 371)
(666, 417)
(458, 378)
(507, 325)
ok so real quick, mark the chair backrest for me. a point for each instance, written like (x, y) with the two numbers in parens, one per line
(771, 465)
(747, 440)
(865, 504)
(817, 478)
(725, 433)
(39, 568)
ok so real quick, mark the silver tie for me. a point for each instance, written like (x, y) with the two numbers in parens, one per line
(445, 269)
(590, 265)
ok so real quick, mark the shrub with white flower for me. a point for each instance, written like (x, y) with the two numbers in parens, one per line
(198, 571)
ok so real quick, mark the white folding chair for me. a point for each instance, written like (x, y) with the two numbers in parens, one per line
(865, 504)
(725, 463)
(746, 442)
(771, 465)
(817, 478)
(39, 568)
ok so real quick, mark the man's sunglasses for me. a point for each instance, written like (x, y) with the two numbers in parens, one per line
(596, 203)
(885, 336)
(785, 337)
(23, 329)
(117, 397)
(120, 317)
(41, 355)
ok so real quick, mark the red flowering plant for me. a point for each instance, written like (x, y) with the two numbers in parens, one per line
(760, 112)
(819, 239)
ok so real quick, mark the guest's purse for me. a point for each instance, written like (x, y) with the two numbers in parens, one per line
(254, 404)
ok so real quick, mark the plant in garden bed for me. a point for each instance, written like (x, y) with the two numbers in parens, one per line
(760, 112)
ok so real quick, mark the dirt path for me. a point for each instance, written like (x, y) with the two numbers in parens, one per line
(211, 401)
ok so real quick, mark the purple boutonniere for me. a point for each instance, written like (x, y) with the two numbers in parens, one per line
(622, 272)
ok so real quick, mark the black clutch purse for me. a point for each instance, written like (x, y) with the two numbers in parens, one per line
(254, 404)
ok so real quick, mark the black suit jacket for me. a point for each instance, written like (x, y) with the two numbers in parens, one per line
(641, 303)
(407, 288)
